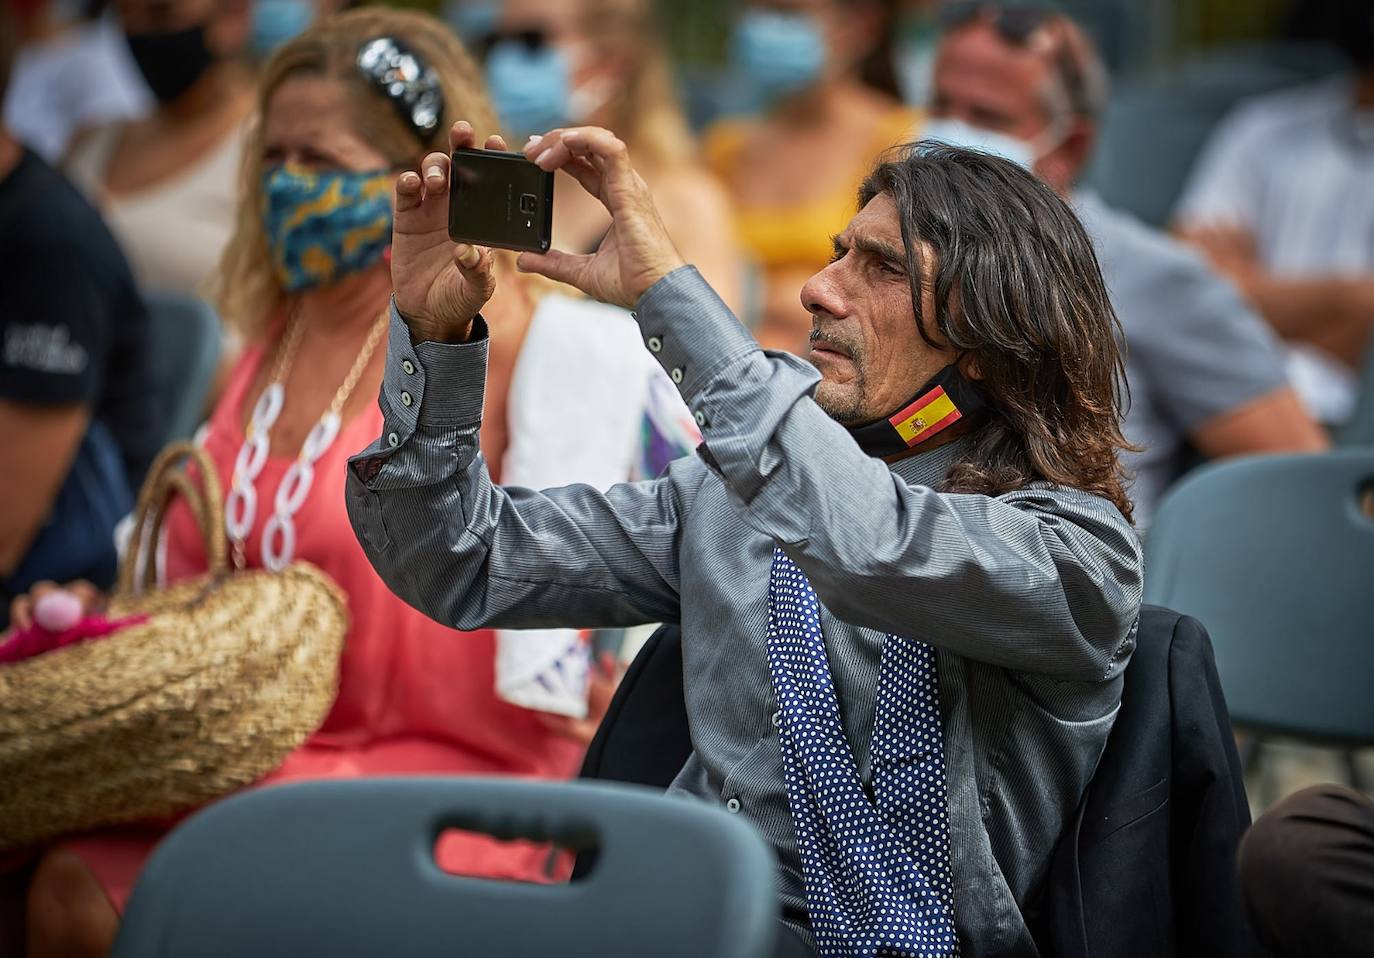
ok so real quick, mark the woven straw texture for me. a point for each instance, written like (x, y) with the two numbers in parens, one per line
(229, 675)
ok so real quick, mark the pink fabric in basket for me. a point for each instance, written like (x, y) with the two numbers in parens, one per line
(35, 640)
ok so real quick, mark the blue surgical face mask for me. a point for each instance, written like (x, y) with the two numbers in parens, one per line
(958, 133)
(471, 19)
(777, 54)
(324, 226)
(529, 88)
(274, 22)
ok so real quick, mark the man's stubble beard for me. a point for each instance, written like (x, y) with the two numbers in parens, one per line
(844, 403)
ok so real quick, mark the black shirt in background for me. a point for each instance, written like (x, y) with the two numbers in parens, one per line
(73, 328)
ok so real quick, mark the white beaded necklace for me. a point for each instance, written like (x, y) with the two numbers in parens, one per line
(241, 507)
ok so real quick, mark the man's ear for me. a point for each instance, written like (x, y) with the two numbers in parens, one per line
(968, 367)
(1062, 166)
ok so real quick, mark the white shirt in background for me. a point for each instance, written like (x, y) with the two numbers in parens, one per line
(1296, 168)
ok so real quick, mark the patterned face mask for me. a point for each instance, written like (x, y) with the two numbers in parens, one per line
(324, 226)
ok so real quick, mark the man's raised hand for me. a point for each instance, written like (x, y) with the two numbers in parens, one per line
(637, 251)
(439, 285)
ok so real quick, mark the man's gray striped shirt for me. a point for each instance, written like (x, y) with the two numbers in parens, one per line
(1030, 598)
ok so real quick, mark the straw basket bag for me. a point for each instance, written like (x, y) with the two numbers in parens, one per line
(229, 674)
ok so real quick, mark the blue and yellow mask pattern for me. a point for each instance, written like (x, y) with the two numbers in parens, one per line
(324, 226)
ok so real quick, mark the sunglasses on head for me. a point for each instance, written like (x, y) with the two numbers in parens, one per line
(1016, 23)
(411, 85)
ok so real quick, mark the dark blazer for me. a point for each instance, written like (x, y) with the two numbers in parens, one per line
(1146, 868)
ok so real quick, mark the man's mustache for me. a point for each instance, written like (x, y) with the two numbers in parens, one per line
(836, 341)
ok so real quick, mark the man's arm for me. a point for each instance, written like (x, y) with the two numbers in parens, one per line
(39, 445)
(1333, 313)
(1210, 361)
(1274, 422)
(470, 554)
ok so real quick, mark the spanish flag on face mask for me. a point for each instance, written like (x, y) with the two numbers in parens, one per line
(947, 398)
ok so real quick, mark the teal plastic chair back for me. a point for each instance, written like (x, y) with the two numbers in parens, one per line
(345, 868)
(1275, 556)
(186, 352)
(1358, 430)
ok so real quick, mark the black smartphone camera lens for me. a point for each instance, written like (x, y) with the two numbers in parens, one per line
(527, 203)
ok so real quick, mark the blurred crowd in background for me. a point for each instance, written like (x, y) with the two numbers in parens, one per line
(159, 158)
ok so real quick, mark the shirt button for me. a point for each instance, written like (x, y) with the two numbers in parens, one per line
(700, 417)
(407, 399)
(655, 344)
(393, 440)
(677, 374)
(408, 366)
(732, 806)
(777, 719)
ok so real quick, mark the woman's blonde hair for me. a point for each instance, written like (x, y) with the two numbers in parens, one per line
(246, 288)
(646, 112)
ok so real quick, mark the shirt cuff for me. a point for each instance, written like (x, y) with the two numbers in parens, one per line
(431, 384)
(691, 332)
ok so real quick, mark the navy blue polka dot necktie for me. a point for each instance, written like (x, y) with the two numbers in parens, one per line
(877, 872)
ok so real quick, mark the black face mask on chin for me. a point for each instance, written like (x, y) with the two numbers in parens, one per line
(171, 61)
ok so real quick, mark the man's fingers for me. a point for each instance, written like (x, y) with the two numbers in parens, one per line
(556, 265)
(409, 191)
(21, 612)
(435, 171)
(496, 142)
(468, 257)
(91, 598)
(585, 174)
(461, 136)
(597, 144)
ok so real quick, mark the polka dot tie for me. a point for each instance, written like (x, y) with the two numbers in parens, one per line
(877, 870)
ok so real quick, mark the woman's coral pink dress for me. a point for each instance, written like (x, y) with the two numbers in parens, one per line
(414, 696)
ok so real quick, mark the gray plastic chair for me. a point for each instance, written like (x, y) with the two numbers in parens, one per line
(1358, 430)
(1275, 556)
(186, 351)
(346, 868)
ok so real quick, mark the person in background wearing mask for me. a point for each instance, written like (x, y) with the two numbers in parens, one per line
(1204, 371)
(794, 171)
(1282, 200)
(168, 184)
(602, 62)
(71, 73)
(345, 106)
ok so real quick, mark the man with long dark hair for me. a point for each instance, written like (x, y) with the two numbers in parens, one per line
(905, 572)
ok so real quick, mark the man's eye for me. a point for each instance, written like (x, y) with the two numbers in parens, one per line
(890, 268)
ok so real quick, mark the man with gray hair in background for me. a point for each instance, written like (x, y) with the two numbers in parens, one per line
(1205, 372)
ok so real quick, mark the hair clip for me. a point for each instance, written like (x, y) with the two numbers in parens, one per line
(399, 74)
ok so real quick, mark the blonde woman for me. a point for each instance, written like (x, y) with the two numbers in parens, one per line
(343, 108)
(601, 62)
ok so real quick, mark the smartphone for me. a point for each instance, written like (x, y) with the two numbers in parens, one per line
(500, 199)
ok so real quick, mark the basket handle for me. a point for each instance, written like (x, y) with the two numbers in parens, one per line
(168, 477)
